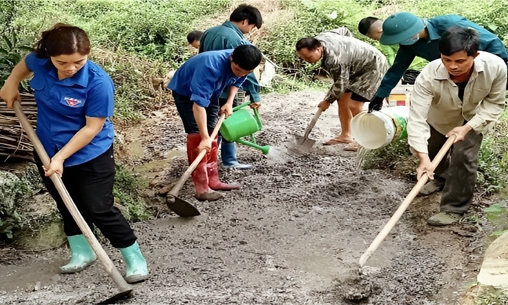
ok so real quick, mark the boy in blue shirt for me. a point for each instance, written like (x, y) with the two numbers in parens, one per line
(196, 87)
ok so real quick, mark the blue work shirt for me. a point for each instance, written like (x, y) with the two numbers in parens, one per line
(429, 49)
(229, 36)
(203, 77)
(63, 105)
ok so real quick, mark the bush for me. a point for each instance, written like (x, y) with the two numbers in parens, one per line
(11, 52)
(127, 193)
(11, 190)
(493, 158)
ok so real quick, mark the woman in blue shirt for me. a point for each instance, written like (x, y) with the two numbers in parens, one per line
(75, 98)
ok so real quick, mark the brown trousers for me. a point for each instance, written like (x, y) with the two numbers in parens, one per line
(458, 168)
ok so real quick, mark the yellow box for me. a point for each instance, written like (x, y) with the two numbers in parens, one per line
(397, 100)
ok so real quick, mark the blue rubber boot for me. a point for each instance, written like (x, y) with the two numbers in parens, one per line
(82, 254)
(228, 156)
(137, 269)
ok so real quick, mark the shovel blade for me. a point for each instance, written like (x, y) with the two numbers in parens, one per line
(181, 207)
(117, 297)
(302, 145)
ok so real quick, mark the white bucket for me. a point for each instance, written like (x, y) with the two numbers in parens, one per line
(379, 128)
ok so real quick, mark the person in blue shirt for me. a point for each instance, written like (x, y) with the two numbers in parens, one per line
(196, 88)
(230, 35)
(420, 37)
(75, 98)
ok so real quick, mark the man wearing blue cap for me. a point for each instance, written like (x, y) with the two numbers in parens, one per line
(420, 37)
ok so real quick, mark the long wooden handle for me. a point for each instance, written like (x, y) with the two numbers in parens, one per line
(178, 186)
(69, 203)
(311, 124)
(409, 198)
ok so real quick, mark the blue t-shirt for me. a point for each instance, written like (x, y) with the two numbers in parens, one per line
(203, 77)
(62, 107)
(429, 50)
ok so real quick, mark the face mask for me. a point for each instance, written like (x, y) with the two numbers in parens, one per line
(410, 40)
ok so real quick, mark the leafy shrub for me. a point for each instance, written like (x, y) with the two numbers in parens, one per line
(11, 190)
(11, 52)
(127, 193)
(493, 158)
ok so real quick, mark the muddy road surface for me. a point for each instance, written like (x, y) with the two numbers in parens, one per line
(293, 234)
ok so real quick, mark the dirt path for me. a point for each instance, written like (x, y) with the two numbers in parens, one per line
(292, 235)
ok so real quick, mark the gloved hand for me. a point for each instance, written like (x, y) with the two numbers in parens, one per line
(376, 104)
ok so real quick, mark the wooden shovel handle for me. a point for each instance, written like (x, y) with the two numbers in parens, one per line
(409, 198)
(69, 203)
(311, 124)
(178, 186)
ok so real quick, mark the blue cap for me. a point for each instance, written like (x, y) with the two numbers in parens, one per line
(400, 26)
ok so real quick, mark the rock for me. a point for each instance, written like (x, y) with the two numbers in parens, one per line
(31, 211)
(494, 270)
(42, 227)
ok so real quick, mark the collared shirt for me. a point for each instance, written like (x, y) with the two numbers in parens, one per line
(203, 77)
(63, 105)
(352, 63)
(429, 49)
(435, 100)
(229, 36)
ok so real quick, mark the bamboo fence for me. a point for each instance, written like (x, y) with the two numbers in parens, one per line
(14, 143)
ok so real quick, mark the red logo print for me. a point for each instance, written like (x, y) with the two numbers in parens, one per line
(72, 101)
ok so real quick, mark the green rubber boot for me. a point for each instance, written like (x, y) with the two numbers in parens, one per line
(137, 269)
(82, 254)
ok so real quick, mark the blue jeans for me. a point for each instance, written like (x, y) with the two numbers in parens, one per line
(184, 107)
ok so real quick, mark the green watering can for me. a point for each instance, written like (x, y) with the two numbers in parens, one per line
(242, 124)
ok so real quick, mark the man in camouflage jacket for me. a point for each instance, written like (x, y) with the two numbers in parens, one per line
(357, 69)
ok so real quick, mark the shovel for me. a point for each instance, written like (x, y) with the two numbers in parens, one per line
(123, 286)
(409, 198)
(304, 144)
(181, 207)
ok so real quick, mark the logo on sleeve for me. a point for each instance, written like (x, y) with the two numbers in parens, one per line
(72, 101)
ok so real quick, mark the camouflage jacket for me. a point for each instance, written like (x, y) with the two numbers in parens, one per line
(352, 63)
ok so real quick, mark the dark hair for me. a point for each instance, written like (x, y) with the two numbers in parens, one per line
(310, 43)
(365, 24)
(247, 56)
(62, 39)
(456, 39)
(244, 11)
(193, 36)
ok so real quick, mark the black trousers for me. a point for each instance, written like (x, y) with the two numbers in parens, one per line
(184, 108)
(90, 186)
(459, 167)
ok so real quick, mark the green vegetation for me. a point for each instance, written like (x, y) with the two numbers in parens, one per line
(11, 190)
(153, 33)
(498, 216)
(127, 192)
(11, 52)
(492, 298)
